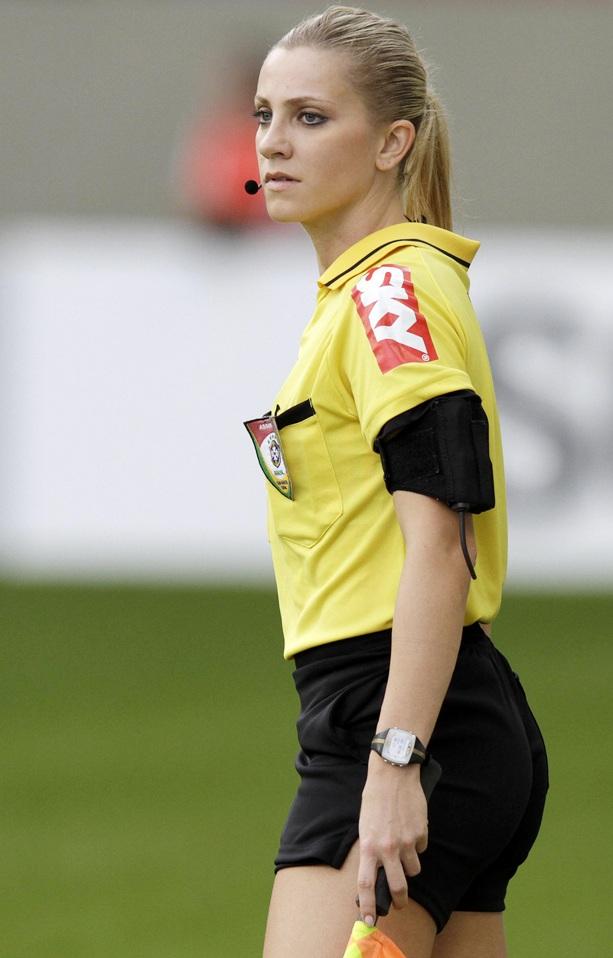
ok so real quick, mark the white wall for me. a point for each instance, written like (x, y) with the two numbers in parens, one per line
(131, 354)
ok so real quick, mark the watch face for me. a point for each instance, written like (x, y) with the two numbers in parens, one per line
(398, 746)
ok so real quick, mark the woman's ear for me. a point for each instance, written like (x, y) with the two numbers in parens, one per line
(399, 139)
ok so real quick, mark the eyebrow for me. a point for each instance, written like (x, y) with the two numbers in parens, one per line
(294, 101)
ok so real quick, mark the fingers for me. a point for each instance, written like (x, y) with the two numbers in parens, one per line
(397, 867)
(399, 863)
(410, 863)
(367, 873)
(397, 882)
(421, 844)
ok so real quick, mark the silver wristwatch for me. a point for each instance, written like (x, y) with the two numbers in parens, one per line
(399, 747)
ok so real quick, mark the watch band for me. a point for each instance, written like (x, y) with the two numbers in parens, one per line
(419, 753)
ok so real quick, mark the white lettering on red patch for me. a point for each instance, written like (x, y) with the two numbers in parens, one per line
(397, 331)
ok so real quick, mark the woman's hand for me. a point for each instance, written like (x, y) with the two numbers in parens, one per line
(393, 831)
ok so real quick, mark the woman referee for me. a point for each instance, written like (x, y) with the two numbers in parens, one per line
(386, 496)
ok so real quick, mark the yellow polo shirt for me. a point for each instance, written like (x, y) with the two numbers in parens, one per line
(393, 327)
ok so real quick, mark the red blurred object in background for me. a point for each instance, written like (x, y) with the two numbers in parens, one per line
(217, 158)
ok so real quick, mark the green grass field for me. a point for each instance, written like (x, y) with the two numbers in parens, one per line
(148, 742)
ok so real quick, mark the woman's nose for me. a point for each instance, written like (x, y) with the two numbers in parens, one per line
(273, 141)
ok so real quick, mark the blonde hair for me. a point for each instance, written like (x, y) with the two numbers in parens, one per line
(390, 75)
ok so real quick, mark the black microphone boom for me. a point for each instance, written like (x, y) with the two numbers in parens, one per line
(251, 187)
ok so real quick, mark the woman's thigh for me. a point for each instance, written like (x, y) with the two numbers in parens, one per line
(470, 934)
(312, 911)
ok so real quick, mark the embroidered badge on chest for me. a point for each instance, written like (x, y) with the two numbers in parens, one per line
(266, 439)
(397, 331)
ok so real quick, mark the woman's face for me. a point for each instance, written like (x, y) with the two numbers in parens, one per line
(314, 129)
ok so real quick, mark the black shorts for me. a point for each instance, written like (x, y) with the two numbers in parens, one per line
(486, 810)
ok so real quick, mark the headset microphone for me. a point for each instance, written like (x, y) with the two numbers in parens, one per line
(252, 187)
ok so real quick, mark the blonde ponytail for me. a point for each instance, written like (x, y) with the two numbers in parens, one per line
(427, 169)
(391, 77)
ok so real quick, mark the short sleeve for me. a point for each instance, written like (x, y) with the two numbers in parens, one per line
(399, 344)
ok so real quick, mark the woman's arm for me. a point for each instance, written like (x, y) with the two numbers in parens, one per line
(426, 635)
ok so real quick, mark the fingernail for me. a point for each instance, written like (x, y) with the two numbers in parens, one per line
(369, 920)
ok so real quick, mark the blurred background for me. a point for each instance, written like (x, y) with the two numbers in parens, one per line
(147, 307)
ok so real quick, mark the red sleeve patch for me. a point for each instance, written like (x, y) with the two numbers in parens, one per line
(397, 331)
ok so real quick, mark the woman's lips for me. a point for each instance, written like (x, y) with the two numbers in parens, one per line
(278, 185)
(279, 181)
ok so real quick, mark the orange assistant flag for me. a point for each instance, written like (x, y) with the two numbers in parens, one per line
(367, 942)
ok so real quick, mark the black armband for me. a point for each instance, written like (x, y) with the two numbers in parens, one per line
(441, 449)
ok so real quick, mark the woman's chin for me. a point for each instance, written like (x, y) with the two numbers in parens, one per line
(281, 215)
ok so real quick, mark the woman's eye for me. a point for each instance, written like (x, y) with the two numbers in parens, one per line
(312, 119)
(262, 115)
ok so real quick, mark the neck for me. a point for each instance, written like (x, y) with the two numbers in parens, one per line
(334, 235)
